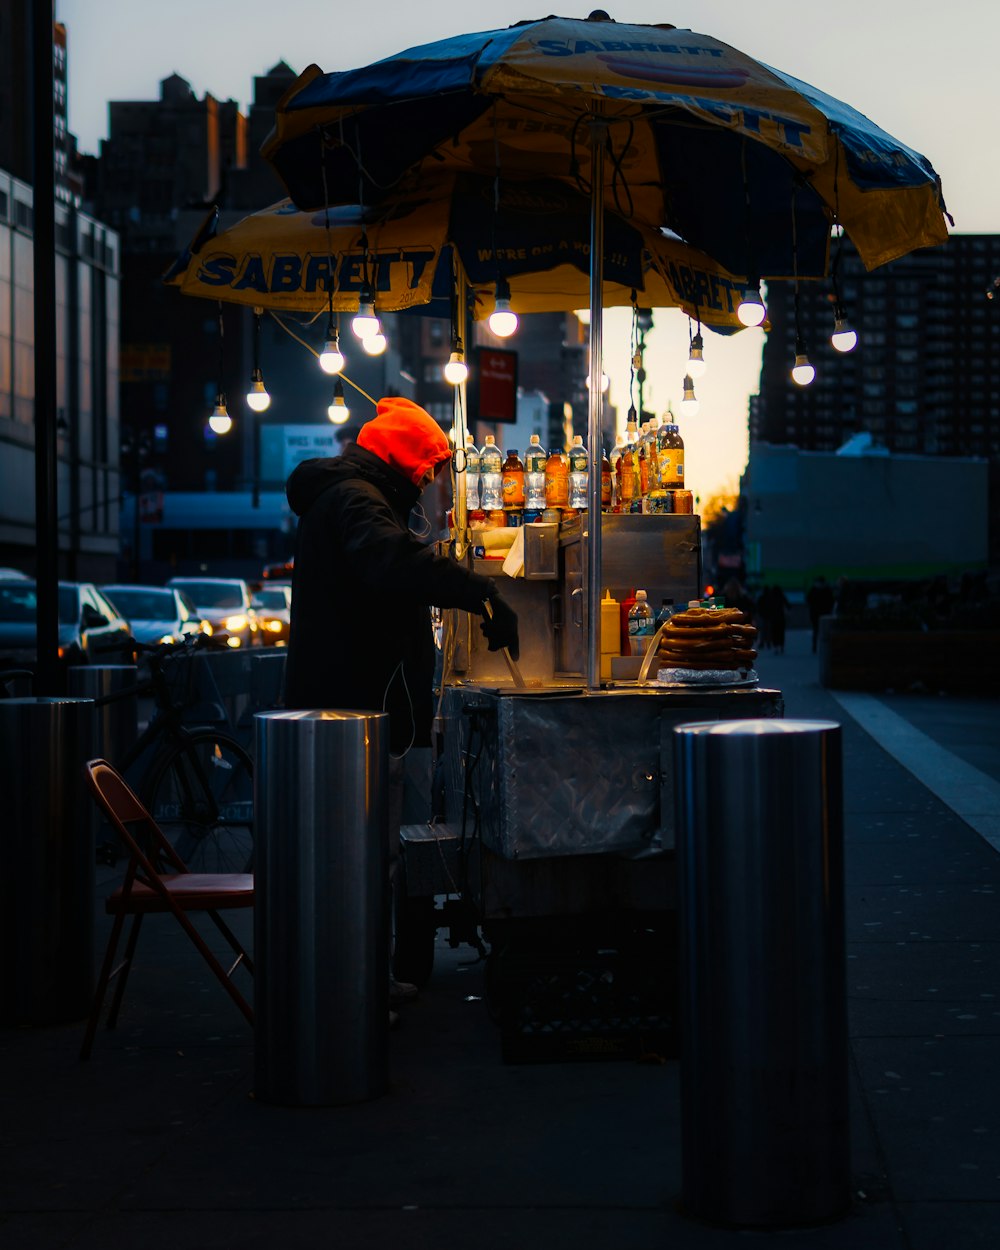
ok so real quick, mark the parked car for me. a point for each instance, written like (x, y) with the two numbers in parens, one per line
(273, 605)
(225, 603)
(91, 630)
(157, 613)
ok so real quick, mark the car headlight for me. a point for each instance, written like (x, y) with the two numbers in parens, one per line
(274, 626)
(166, 638)
(236, 623)
(206, 629)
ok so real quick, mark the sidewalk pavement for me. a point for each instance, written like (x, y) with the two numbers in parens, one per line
(158, 1142)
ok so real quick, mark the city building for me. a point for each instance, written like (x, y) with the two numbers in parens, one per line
(87, 278)
(924, 378)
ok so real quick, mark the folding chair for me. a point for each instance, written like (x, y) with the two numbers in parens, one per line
(157, 881)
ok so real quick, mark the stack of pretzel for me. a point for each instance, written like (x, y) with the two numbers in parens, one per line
(708, 639)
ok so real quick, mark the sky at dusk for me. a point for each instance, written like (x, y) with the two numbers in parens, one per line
(924, 72)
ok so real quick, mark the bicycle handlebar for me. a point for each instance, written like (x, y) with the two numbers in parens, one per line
(164, 650)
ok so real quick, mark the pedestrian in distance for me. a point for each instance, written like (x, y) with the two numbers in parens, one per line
(363, 586)
(776, 607)
(819, 601)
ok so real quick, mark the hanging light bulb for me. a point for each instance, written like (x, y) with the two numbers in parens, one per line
(365, 323)
(220, 422)
(257, 396)
(456, 370)
(844, 338)
(689, 401)
(751, 310)
(331, 358)
(802, 371)
(375, 343)
(503, 319)
(338, 412)
(696, 357)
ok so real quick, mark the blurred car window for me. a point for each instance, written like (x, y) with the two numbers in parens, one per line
(213, 594)
(146, 604)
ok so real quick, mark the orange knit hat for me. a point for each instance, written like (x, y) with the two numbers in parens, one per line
(406, 437)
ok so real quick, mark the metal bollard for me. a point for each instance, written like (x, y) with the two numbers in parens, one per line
(48, 880)
(321, 910)
(117, 722)
(764, 1052)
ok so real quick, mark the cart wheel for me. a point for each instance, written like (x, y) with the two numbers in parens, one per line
(415, 931)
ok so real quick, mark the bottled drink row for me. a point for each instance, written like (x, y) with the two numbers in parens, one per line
(644, 473)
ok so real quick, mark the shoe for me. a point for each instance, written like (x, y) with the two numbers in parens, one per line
(393, 1019)
(401, 991)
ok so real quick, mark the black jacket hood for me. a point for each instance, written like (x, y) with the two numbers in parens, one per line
(311, 478)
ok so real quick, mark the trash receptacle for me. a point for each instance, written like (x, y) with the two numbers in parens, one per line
(46, 843)
(117, 723)
(321, 907)
(764, 1051)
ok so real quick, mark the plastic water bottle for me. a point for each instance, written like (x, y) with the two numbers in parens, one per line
(665, 613)
(640, 624)
(491, 475)
(578, 473)
(534, 475)
(471, 474)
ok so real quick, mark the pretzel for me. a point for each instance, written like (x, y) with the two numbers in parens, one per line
(707, 616)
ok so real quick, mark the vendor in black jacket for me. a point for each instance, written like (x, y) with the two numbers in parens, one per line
(362, 584)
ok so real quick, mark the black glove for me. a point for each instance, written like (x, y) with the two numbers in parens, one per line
(501, 631)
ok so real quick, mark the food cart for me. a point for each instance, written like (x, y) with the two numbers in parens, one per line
(558, 839)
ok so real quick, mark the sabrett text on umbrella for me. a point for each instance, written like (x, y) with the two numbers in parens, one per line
(291, 272)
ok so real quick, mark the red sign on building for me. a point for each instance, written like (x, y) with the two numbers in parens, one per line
(495, 384)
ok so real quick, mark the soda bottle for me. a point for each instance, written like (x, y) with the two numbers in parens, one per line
(491, 475)
(471, 474)
(578, 474)
(606, 491)
(670, 452)
(556, 480)
(627, 465)
(640, 624)
(642, 450)
(512, 481)
(652, 459)
(534, 475)
(614, 461)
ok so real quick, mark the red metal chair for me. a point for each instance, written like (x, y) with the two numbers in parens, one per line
(157, 881)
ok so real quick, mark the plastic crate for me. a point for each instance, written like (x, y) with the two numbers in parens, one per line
(599, 1004)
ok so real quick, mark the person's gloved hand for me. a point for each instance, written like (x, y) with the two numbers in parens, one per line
(501, 630)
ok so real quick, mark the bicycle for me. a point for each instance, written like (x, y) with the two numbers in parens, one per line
(198, 781)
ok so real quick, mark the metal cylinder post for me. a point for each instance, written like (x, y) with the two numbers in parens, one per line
(48, 880)
(117, 723)
(764, 1053)
(321, 910)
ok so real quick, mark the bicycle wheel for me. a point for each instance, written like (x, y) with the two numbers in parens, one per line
(200, 793)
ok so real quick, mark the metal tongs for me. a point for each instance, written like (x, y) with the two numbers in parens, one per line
(512, 668)
(647, 659)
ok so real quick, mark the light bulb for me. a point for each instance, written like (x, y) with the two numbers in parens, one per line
(751, 310)
(802, 371)
(366, 322)
(689, 404)
(843, 338)
(503, 319)
(257, 396)
(338, 412)
(605, 383)
(375, 343)
(456, 370)
(696, 357)
(331, 358)
(220, 422)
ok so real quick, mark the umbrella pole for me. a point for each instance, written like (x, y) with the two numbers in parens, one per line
(598, 130)
(459, 427)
